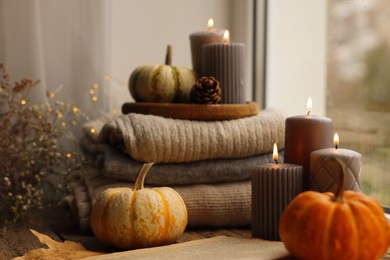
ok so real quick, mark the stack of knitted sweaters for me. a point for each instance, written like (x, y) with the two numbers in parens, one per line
(209, 163)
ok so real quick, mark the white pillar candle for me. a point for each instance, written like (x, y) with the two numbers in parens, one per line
(325, 171)
(273, 187)
(198, 39)
(225, 62)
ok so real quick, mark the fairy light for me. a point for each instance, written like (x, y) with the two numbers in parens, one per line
(92, 131)
(75, 110)
(60, 115)
(94, 98)
(68, 155)
(91, 91)
(107, 77)
(115, 111)
(63, 124)
(23, 102)
(53, 94)
(95, 85)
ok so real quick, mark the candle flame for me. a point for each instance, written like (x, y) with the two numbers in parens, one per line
(210, 24)
(226, 36)
(336, 140)
(309, 105)
(275, 154)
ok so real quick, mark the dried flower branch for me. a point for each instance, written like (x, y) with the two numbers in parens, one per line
(31, 148)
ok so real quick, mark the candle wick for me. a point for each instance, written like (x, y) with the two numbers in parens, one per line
(308, 113)
(336, 146)
(276, 161)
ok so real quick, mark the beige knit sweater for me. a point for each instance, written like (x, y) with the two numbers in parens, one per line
(208, 205)
(148, 138)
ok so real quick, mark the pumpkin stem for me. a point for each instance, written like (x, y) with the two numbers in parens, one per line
(338, 196)
(168, 56)
(140, 178)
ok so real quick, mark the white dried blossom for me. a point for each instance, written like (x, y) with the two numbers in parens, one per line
(6, 181)
(30, 147)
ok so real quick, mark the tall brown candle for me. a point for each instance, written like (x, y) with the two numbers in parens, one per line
(303, 135)
(198, 39)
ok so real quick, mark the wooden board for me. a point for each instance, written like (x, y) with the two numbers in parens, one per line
(193, 111)
(57, 222)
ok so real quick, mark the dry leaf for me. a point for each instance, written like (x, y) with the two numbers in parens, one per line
(57, 250)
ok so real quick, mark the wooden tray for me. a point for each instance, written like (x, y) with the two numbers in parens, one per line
(193, 111)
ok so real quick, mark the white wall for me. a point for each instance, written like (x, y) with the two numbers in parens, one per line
(296, 62)
(241, 29)
(142, 29)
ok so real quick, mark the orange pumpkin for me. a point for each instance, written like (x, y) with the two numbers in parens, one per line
(139, 217)
(344, 225)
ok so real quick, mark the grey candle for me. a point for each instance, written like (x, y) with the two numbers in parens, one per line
(325, 171)
(225, 62)
(273, 187)
(198, 39)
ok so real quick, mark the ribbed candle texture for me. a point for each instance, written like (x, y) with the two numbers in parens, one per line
(225, 62)
(273, 187)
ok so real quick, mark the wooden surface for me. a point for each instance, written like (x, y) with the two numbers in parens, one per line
(58, 224)
(193, 111)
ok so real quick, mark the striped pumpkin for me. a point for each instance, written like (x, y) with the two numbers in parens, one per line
(139, 217)
(162, 83)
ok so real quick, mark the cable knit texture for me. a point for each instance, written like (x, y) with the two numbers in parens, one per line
(149, 138)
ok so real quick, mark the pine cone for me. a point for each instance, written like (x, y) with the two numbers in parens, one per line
(206, 91)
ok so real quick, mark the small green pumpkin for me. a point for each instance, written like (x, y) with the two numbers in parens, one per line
(162, 83)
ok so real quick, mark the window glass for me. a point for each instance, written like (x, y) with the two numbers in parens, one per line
(358, 86)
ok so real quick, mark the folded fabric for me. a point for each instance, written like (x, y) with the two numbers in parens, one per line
(149, 138)
(114, 164)
(208, 205)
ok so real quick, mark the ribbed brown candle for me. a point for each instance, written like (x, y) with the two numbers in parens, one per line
(225, 62)
(303, 135)
(273, 187)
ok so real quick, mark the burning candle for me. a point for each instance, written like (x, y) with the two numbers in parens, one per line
(273, 187)
(325, 171)
(225, 62)
(198, 39)
(305, 134)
